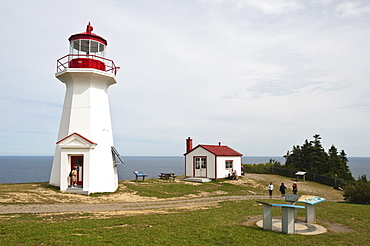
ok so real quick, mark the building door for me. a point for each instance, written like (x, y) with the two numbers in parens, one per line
(77, 162)
(200, 166)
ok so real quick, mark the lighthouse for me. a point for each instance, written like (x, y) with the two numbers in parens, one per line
(85, 138)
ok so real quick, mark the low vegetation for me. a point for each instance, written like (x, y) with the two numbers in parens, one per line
(358, 192)
(225, 223)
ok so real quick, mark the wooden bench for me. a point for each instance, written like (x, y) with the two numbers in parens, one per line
(140, 174)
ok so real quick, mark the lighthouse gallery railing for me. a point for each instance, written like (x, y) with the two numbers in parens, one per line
(67, 61)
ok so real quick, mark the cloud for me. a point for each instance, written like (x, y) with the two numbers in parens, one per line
(248, 73)
(352, 10)
(268, 7)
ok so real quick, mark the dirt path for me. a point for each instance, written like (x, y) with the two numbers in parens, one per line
(65, 208)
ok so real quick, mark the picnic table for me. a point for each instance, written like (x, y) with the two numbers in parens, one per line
(167, 176)
(140, 174)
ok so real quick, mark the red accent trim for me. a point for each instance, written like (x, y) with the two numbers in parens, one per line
(79, 182)
(89, 28)
(215, 167)
(232, 164)
(75, 133)
(86, 63)
(88, 36)
(194, 163)
(217, 150)
(189, 144)
(65, 62)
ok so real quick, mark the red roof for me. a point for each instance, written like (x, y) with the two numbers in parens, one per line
(219, 150)
(88, 35)
(75, 133)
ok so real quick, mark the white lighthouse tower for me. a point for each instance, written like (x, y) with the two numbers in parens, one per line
(85, 139)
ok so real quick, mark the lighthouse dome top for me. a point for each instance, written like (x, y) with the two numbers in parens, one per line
(87, 50)
(88, 35)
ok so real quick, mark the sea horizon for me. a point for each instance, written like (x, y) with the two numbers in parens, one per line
(29, 169)
(167, 156)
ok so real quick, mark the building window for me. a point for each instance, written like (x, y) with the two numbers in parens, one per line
(229, 164)
(200, 162)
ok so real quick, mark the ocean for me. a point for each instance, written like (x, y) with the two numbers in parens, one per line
(28, 169)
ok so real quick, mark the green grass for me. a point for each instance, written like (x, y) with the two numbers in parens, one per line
(223, 225)
(160, 189)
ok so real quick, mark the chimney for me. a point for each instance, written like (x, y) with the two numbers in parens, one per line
(189, 144)
(219, 143)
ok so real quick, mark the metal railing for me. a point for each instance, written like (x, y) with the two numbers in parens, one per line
(64, 62)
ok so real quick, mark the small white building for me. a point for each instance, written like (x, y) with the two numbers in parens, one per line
(211, 161)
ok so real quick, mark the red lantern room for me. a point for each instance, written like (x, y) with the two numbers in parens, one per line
(87, 50)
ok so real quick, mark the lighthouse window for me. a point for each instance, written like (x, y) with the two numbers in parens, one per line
(75, 47)
(101, 47)
(94, 48)
(87, 47)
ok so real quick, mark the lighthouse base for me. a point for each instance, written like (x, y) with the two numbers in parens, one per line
(94, 166)
(77, 191)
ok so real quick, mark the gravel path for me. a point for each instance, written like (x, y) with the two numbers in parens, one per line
(63, 208)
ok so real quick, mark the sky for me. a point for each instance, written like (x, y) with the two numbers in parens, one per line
(259, 76)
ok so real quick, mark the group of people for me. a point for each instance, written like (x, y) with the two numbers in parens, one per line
(282, 189)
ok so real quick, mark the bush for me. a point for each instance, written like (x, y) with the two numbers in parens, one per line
(257, 168)
(358, 193)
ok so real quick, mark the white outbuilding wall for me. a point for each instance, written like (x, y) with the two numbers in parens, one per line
(223, 172)
(216, 165)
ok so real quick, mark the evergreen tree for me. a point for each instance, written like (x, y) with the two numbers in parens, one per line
(318, 156)
(347, 171)
(362, 179)
(293, 158)
(334, 167)
(306, 156)
(313, 158)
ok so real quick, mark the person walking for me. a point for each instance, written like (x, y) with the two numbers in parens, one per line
(271, 188)
(295, 188)
(282, 190)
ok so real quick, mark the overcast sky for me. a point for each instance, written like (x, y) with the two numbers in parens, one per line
(258, 75)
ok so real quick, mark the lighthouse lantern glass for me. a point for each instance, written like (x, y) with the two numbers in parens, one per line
(87, 47)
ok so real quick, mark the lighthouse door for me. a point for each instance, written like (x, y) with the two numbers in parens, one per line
(77, 162)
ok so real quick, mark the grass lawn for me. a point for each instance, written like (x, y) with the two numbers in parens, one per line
(222, 224)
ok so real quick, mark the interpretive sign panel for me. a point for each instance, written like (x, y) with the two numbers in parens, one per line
(291, 197)
(312, 200)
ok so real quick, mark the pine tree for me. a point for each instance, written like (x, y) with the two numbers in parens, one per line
(313, 158)
(347, 175)
(334, 163)
(318, 157)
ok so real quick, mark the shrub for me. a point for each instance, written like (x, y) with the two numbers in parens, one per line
(257, 168)
(358, 193)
